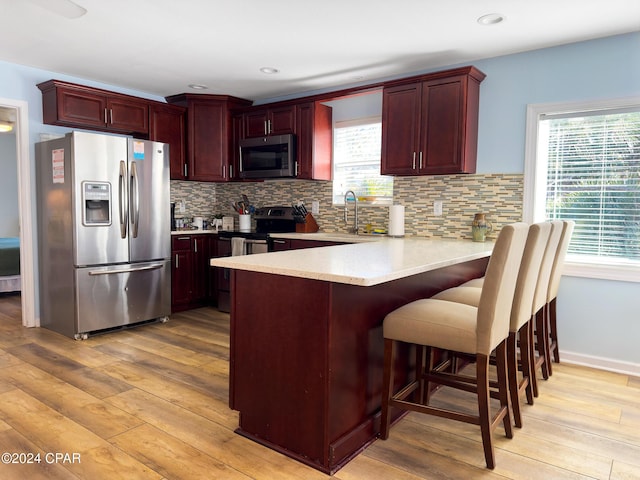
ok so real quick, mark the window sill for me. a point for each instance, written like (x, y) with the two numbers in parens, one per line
(622, 273)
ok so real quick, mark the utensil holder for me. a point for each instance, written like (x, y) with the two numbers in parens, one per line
(245, 222)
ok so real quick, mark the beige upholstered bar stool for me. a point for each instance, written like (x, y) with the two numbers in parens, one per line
(554, 284)
(520, 327)
(543, 361)
(460, 328)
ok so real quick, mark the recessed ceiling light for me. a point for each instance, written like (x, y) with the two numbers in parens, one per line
(198, 86)
(491, 19)
(269, 70)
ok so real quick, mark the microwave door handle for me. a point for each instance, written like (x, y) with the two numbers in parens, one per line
(122, 199)
(134, 203)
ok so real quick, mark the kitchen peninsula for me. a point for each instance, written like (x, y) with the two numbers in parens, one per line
(306, 337)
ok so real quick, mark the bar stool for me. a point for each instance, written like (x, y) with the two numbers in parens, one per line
(520, 327)
(554, 284)
(543, 361)
(460, 328)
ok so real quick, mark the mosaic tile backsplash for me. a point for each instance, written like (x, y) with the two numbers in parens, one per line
(498, 196)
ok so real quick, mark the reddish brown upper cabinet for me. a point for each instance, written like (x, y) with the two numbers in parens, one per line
(209, 134)
(270, 121)
(430, 125)
(71, 105)
(167, 124)
(314, 132)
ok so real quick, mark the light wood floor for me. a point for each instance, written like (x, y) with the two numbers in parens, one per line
(151, 403)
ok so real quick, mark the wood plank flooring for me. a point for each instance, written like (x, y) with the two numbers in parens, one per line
(151, 403)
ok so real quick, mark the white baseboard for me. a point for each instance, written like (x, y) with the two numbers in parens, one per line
(601, 363)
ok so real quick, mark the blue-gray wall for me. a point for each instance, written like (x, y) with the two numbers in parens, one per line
(598, 318)
(9, 224)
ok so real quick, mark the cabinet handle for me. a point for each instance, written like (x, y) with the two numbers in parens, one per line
(185, 170)
(105, 116)
(296, 170)
(177, 262)
(111, 116)
(230, 171)
(420, 160)
(275, 240)
(266, 128)
(414, 161)
(195, 246)
(224, 171)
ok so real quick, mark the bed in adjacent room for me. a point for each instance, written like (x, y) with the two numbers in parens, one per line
(10, 264)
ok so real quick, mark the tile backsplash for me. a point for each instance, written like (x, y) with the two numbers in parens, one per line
(499, 196)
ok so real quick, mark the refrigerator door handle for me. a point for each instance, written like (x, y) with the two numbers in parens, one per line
(155, 266)
(134, 201)
(122, 199)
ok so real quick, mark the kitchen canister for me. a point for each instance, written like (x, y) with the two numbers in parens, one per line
(245, 222)
(480, 227)
(396, 221)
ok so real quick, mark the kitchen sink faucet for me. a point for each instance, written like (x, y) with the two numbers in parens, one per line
(353, 229)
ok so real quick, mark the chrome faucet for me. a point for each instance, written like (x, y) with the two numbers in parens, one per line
(353, 229)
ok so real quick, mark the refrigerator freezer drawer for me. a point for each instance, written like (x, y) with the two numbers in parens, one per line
(120, 295)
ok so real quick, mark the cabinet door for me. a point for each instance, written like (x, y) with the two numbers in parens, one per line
(273, 121)
(255, 124)
(281, 120)
(281, 244)
(442, 126)
(400, 127)
(127, 115)
(167, 125)
(208, 141)
(200, 250)
(237, 131)
(314, 134)
(181, 274)
(80, 107)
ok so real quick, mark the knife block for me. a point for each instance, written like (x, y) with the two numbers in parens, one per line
(309, 226)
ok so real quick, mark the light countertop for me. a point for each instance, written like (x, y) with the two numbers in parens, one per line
(366, 263)
(193, 232)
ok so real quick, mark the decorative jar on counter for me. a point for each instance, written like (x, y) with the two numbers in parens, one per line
(480, 227)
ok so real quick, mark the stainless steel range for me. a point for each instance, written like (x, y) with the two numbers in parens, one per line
(268, 220)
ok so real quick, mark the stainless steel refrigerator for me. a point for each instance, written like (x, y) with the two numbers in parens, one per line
(103, 232)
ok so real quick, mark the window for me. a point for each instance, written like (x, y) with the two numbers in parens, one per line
(356, 162)
(583, 163)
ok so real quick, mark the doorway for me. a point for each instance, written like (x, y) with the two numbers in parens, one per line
(17, 111)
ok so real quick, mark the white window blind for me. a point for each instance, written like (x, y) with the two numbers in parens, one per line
(593, 177)
(357, 145)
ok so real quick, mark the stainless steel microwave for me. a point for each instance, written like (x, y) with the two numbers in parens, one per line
(268, 157)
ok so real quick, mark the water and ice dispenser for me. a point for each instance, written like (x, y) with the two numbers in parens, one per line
(96, 198)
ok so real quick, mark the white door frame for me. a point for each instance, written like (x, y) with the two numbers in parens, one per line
(27, 220)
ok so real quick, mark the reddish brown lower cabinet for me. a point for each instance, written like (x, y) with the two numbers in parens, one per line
(306, 359)
(191, 280)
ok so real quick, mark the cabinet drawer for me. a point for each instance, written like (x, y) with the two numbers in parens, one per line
(181, 242)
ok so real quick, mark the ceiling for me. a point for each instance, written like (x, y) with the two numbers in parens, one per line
(163, 46)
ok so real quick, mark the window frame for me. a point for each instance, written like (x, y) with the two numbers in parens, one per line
(535, 183)
(366, 120)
